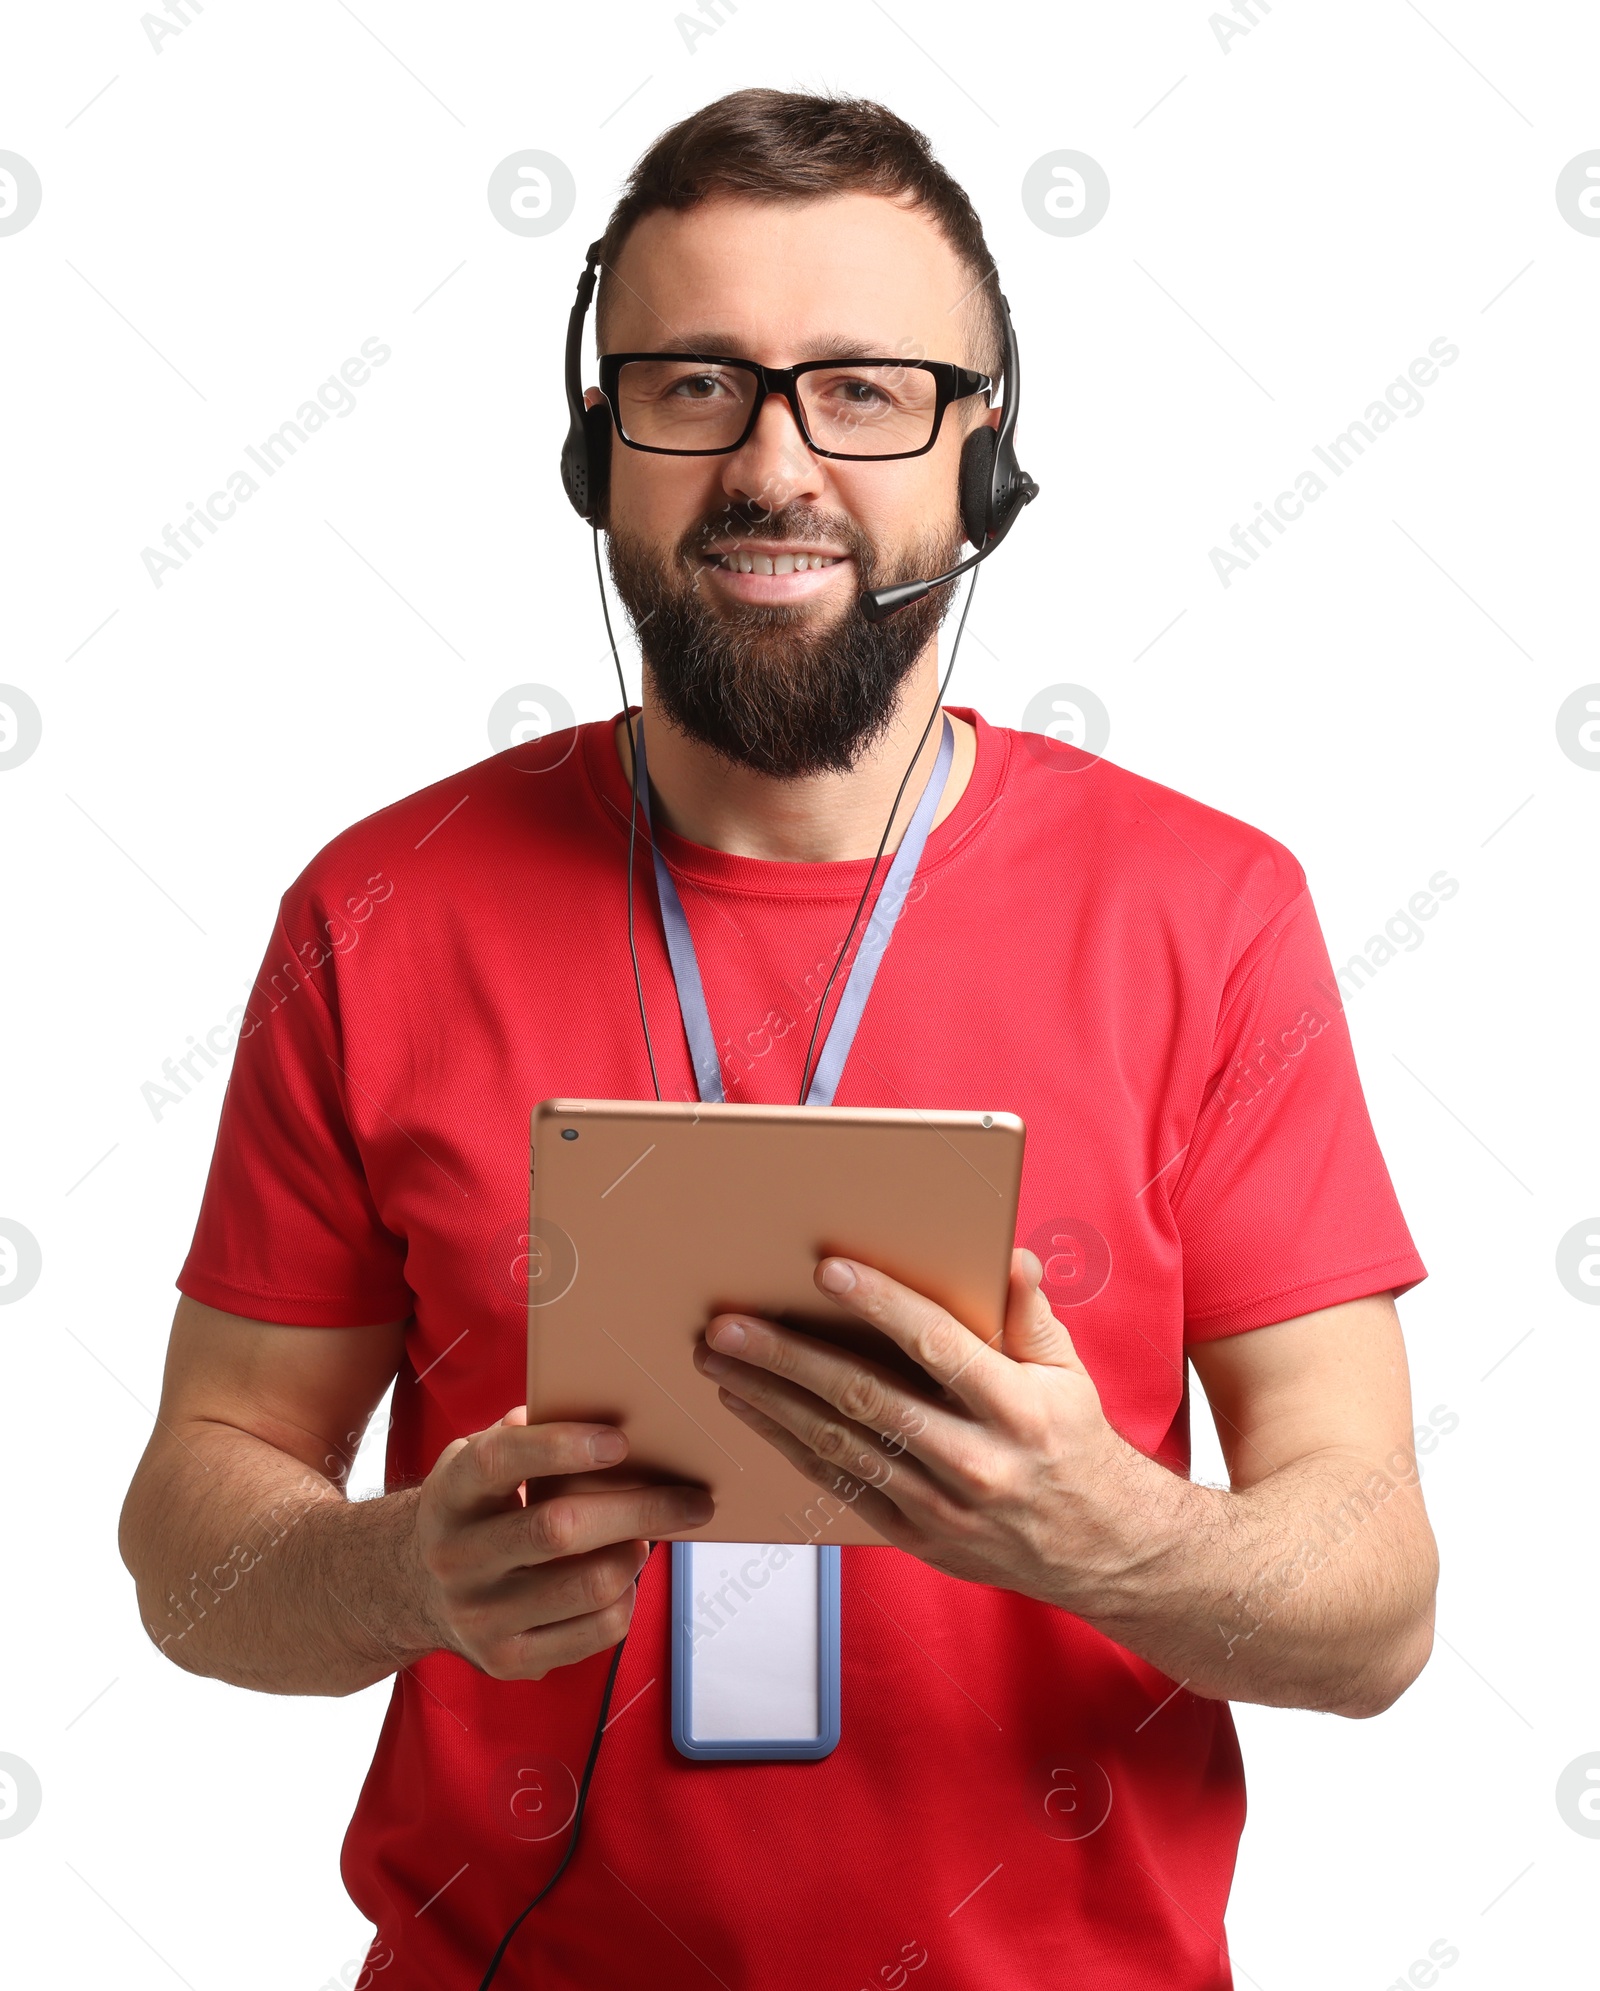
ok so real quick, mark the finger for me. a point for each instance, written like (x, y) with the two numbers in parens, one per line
(537, 1653)
(1032, 1333)
(573, 1524)
(532, 1653)
(479, 1474)
(458, 1445)
(531, 1598)
(862, 1391)
(974, 1372)
(604, 1479)
(870, 1495)
(835, 1442)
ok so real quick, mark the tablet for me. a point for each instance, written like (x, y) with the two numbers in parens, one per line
(649, 1217)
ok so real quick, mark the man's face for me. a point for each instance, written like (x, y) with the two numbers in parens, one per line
(780, 671)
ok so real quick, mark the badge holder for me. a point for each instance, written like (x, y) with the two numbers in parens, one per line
(755, 1651)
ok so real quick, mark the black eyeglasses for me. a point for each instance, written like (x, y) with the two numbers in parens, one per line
(682, 404)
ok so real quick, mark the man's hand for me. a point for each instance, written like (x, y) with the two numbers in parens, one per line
(1014, 1478)
(519, 1587)
(1308, 1584)
(253, 1567)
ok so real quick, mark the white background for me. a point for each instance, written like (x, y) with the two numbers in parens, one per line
(1292, 221)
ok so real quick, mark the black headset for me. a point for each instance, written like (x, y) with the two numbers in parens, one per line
(993, 486)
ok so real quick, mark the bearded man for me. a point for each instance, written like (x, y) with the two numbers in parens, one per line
(1037, 1783)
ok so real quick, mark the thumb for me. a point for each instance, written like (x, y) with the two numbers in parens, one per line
(1032, 1333)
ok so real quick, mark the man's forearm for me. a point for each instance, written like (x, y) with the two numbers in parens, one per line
(254, 1568)
(1313, 1588)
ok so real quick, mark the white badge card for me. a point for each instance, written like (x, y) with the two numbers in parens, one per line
(755, 1650)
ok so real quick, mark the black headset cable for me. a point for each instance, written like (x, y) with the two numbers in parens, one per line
(633, 813)
(583, 1793)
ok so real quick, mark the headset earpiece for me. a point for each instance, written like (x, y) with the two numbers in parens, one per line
(585, 463)
(593, 454)
(586, 452)
(977, 484)
(992, 482)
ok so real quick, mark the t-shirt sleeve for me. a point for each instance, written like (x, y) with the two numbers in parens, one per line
(1283, 1202)
(288, 1231)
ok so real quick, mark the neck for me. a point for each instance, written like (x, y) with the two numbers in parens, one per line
(811, 819)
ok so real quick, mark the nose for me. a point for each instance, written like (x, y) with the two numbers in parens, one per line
(774, 467)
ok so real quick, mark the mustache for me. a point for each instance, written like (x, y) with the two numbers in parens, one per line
(754, 523)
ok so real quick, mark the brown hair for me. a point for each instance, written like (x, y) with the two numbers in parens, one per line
(777, 145)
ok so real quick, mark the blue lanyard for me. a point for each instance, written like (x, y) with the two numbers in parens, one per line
(824, 1557)
(880, 929)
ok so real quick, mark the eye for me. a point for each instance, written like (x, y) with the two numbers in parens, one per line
(697, 387)
(857, 391)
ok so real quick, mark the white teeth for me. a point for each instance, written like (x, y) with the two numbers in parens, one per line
(782, 563)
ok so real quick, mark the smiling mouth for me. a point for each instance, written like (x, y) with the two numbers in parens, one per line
(741, 561)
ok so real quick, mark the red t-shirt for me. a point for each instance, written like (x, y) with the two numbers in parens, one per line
(1141, 978)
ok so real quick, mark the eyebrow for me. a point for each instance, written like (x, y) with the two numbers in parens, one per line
(831, 346)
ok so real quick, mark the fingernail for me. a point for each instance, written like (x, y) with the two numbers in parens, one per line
(837, 1275)
(714, 1365)
(729, 1335)
(606, 1447)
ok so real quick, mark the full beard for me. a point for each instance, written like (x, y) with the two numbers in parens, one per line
(769, 687)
